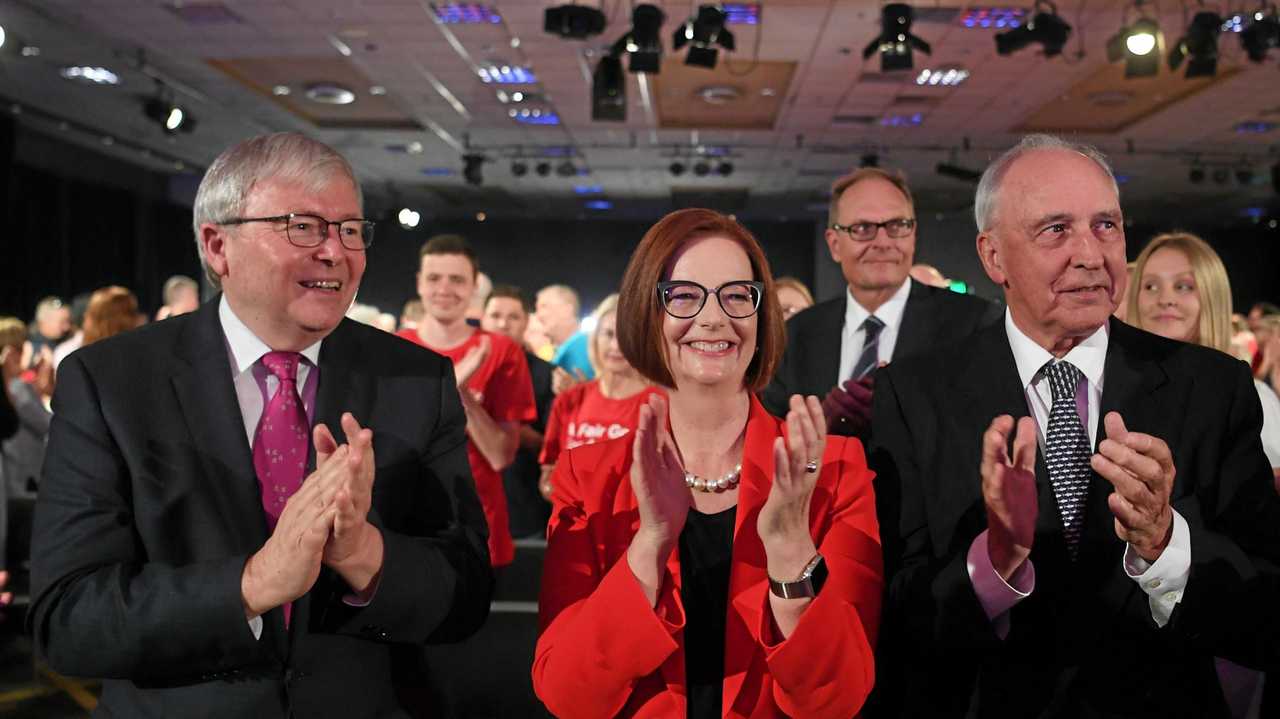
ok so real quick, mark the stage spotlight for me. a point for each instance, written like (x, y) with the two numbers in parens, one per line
(609, 91)
(677, 168)
(519, 168)
(170, 116)
(1045, 27)
(472, 169)
(703, 33)
(1140, 45)
(701, 169)
(573, 22)
(724, 169)
(1199, 47)
(543, 169)
(1221, 176)
(1196, 175)
(408, 218)
(895, 41)
(642, 44)
(566, 169)
(1261, 35)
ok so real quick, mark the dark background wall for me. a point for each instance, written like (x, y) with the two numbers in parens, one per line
(74, 221)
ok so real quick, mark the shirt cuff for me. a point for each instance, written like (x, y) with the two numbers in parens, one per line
(255, 626)
(1164, 580)
(362, 599)
(996, 595)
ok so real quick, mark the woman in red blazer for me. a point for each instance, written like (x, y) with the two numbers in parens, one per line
(717, 562)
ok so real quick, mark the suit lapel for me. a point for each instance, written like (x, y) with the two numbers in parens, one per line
(918, 319)
(822, 343)
(207, 398)
(749, 575)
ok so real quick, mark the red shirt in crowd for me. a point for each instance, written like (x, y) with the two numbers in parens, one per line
(502, 386)
(583, 415)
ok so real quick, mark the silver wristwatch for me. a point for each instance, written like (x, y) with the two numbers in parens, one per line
(809, 583)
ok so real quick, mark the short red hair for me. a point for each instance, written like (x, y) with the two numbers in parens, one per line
(640, 313)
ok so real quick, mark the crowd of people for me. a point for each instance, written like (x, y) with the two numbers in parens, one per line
(902, 501)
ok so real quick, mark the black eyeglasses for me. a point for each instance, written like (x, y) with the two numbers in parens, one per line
(310, 230)
(896, 228)
(684, 299)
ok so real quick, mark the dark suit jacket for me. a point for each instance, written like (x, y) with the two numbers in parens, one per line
(1084, 643)
(150, 507)
(933, 317)
(529, 512)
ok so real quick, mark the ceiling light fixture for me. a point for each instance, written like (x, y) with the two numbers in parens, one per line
(609, 91)
(543, 169)
(90, 75)
(171, 117)
(409, 218)
(724, 169)
(704, 33)
(566, 169)
(676, 168)
(519, 168)
(895, 41)
(573, 22)
(643, 44)
(957, 172)
(473, 169)
(1199, 47)
(1140, 44)
(1262, 33)
(1045, 28)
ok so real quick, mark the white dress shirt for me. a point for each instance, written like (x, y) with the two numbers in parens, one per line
(254, 385)
(1164, 580)
(852, 337)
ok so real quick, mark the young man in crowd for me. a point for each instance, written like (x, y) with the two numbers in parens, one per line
(491, 372)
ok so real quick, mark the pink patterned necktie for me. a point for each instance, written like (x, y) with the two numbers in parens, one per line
(280, 442)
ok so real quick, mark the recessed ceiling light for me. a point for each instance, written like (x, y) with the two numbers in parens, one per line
(377, 90)
(90, 75)
(414, 148)
(280, 90)
(330, 94)
(944, 76)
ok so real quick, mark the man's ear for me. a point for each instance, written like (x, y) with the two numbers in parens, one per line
(991, 257)
(213, 240)
(833, 244)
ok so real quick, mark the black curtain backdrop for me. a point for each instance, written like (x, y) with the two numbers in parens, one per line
(589, 256)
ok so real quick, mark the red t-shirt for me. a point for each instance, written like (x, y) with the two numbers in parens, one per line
(503, 388)
(583, 415)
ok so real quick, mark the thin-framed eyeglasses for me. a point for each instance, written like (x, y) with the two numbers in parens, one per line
(896, 228)
(303, 230)
(684, 299)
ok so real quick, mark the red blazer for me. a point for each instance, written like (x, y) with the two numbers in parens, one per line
(603, 651)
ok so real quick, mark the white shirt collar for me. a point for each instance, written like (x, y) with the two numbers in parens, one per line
(1089, 356)
(246, 347)
(890, 313)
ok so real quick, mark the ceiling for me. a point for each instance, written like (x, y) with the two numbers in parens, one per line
(793, 107)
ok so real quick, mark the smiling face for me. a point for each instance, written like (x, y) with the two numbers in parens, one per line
(880, 264)
(1056, 246)
(446, 284)
(1168, 298)
(289, 296)
(710, 348)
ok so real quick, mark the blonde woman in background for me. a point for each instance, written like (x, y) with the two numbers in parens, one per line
(792, 295)
(603, 408)
(1180, 290)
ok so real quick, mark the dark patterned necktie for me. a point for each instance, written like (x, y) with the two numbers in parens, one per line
(1067, 451)
(870, 356)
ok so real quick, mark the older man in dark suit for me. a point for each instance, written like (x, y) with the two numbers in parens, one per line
(1085, 507)
(834, 346)
(178, 552)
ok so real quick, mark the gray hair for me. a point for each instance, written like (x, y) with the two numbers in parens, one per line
(984, 203)
(567, 294)
(175, 284)
(288, 156)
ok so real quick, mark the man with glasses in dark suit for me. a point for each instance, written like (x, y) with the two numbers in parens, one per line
(834, 346)
(178, 552)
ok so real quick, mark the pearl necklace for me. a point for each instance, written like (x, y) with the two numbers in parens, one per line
(725, 483)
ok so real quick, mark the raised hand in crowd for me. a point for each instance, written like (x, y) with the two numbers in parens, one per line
(471, 362)
(562, 380)
(657, 478)
(1009, 492)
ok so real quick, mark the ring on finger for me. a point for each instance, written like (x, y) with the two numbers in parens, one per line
(811, 466)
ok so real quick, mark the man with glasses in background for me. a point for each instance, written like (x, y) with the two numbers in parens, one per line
(834, 346)
(178, 552)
